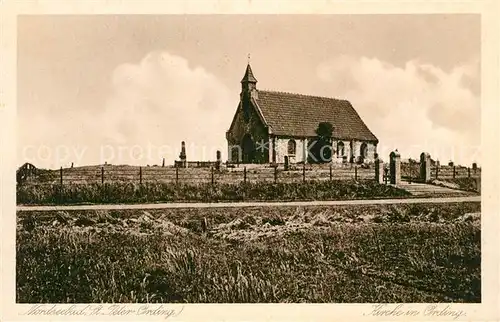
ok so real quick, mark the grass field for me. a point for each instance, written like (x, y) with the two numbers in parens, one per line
(376, 253)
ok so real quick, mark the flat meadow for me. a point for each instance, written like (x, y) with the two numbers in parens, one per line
(355, 253)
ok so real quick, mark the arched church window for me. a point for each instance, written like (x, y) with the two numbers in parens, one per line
(292, 147)
(340, 149)
(364, 150)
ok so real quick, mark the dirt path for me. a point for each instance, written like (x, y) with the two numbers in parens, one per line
(250, 204)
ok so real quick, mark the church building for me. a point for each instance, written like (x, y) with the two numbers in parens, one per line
(269, 126)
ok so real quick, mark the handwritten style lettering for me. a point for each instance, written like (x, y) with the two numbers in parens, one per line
(403, 310)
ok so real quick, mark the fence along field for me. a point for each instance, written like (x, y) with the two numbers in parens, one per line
(412, 170)
(238, 174)
(112, 173)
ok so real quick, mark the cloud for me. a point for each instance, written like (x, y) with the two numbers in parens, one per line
(152, 106)
(415, 108)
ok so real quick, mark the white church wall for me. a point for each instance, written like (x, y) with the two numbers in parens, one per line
(301, 150)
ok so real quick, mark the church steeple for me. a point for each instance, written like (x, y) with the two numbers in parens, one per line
(249, 78)
(248, 91)
(248, 82)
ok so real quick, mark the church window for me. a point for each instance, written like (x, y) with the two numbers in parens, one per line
(292, 147)
(340, 149)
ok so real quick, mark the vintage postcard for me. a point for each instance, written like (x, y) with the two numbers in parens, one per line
(249, 160)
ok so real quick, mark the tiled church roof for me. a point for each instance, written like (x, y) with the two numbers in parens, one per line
(299, 115)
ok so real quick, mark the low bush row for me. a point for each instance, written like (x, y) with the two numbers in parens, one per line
(122, 192)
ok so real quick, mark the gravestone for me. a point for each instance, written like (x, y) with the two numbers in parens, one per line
(425, 167)
(286, 163)
(379, 169)
(395, 167)
(182, 155)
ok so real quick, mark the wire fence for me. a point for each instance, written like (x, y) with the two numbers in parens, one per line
(212, 175)
(412, 171)
(235, 174)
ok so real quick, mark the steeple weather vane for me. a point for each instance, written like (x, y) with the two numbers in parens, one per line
(248, 58)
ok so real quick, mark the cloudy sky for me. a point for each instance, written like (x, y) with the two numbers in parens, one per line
(128, 89)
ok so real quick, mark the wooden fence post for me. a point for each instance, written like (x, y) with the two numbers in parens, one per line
(176, 173)
(212, 174)
(356, 172)
(331, 172)
(140, 175)
(303, 172)
(102, 175)
(437, 171)
(245, 175)
(453, 172)
(61, 176)
(275, 174)
(468, 172)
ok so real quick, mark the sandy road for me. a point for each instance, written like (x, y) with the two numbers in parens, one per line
(251, 204)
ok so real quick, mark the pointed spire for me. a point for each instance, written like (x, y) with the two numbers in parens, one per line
(249, 78)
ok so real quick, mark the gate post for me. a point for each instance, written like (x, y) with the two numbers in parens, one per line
(395, 167)
(425, 167)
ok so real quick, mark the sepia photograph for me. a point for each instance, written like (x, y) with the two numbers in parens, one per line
(249, 158)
